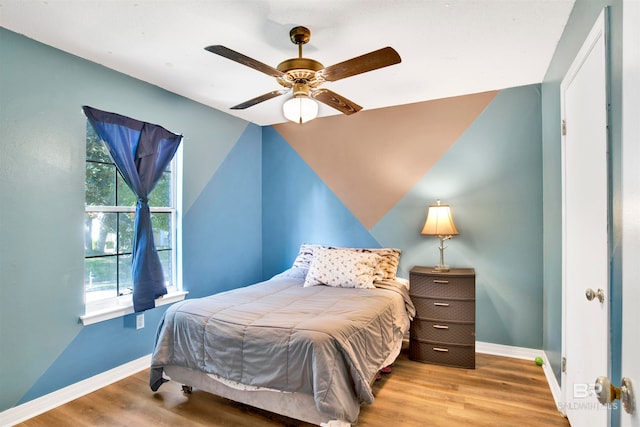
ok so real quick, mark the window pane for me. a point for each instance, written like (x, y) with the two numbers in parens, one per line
(100, 233)
(125, 232)
(126, 197)
(161, 194)
(96, 150)
(165, 260)
(100, 185)
(124, 274)
(100, 278)
(161, 223)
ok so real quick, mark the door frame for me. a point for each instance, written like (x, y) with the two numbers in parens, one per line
(599, 29)
(631, 206)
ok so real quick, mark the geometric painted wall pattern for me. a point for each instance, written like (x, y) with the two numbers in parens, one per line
(370, 160)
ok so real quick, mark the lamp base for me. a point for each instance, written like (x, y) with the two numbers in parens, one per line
(442, 266)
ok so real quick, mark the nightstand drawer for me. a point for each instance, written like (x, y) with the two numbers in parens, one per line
(443, 354)
(443, 286)
(445, 309)
(442, 331)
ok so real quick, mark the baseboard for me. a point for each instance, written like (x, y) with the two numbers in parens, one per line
(52, 400)
(508, 350)
(556, 391)
(527, 354)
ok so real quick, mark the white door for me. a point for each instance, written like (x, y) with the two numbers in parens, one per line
(585, 231)
(631, 206)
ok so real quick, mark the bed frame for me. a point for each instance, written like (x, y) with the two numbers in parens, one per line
(298, 406)
(294, 405)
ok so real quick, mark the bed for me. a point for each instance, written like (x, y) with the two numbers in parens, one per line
(307, 343)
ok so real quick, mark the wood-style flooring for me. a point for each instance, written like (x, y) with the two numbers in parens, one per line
(499, 392)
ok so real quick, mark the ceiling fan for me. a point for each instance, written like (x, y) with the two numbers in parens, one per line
(304, 76)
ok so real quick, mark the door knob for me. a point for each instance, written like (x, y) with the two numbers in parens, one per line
(591, 294)
(607, 393)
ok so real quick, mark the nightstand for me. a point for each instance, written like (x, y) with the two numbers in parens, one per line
(444, 328)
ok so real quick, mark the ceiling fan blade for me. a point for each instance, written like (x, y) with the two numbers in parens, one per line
(336, 101)
(244, 60)
(259, 99)
(361, 64)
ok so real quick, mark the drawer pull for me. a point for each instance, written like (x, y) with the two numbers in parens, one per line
(440, 282)
(441, 350)
(440, 326)
(441, 304)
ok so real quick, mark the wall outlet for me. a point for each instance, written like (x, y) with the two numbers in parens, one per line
(140, 321)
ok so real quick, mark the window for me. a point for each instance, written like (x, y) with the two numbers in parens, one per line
(109, 225)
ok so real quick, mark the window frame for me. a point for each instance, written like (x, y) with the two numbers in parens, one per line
(120, 305)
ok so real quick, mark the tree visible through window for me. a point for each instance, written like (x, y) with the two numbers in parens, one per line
(109, 223)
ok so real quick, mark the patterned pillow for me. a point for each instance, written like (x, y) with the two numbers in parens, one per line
(389, 260)
(342, 268)
(305, 255)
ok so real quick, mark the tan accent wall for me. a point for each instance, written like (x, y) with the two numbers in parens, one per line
(371, 159)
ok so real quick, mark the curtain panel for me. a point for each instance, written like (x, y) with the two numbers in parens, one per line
(141, 152)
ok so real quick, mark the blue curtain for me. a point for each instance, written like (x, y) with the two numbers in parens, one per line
(141, 152)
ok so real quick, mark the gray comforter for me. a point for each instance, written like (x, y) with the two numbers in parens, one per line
(323, 341)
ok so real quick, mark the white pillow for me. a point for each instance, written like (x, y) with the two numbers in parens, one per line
(342, 268)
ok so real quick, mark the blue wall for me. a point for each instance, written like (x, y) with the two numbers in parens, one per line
(491, 176)
(299, 208)
(43, 346)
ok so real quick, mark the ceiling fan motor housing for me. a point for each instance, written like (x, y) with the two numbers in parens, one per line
(300, 70)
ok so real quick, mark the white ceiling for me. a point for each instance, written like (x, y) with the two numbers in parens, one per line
(448, 47)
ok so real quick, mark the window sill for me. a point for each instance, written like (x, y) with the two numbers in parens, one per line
(127, 308)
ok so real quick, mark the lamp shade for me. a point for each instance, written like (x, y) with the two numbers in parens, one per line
(439, 221)
(300, 109)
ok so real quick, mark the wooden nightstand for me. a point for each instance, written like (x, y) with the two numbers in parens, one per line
(444, 328)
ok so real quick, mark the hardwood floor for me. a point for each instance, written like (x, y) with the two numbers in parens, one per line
(499, 392)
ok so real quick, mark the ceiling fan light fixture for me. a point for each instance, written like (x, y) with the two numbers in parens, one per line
(300, 109)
